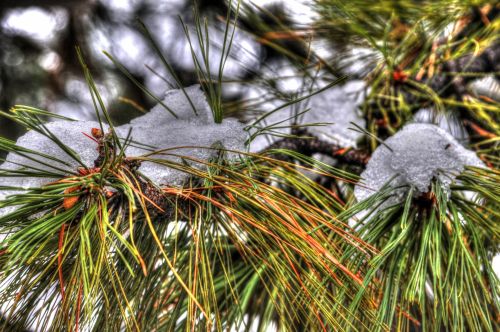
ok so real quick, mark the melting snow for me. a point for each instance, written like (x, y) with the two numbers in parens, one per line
(338, 107)
(157, 129)
(420, 152)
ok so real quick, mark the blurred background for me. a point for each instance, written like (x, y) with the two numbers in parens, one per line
(274, 41)
(39, 65)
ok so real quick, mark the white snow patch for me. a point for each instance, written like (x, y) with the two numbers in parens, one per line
(338, 107)
(496, 265)
(252, 325)
(487, 86)
(418, 153)
(275, 126)
(331, 112)
(177, 101)
(39, 24)
(71, 133)
(243, 55)
(157, 129)
(358, 61)
(300, 11)
(125, 44)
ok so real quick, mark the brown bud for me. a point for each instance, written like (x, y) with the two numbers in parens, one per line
(83, 171)
(70, 201)
(96, 133)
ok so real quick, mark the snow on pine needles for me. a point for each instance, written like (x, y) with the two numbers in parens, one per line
(186, 135)
(414, 156)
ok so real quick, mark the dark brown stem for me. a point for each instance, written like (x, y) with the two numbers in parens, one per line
(309, 144)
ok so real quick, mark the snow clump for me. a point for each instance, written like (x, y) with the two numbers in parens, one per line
(187, 136)
(414, 156)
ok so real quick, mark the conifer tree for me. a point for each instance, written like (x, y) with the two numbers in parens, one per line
(354, 187)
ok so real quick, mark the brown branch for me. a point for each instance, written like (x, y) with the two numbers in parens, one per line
(309, 144)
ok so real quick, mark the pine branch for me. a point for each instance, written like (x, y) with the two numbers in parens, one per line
(308, 144)
(451, 79)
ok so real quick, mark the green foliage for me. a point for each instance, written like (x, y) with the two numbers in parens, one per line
(435, 252)
(105, 247)
(434, 268)
(408, 42)
(250, 237)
